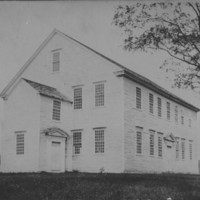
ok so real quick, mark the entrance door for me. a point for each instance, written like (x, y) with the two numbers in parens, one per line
(170, 158)
(56, 156)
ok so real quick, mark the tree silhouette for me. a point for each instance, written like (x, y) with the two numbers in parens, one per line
(170, 27)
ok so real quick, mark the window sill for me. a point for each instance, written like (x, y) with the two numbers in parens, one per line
(139, 155)
(56, 121)
(99, 107)
(76, 155)
(140, 110)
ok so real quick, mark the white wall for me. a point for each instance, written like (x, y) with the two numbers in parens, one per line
(81, 66)
(21, 114)
(142, 118)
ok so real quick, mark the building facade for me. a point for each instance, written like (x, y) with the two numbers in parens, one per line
(71, 108)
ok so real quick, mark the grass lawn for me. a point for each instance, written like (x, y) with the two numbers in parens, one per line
(83, 186)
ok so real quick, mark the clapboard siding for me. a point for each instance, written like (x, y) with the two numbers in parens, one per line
(142, 118)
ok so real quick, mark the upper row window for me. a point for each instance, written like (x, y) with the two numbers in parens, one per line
(99, 96)
(159, 107)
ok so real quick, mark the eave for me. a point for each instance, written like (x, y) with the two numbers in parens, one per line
(154, 87)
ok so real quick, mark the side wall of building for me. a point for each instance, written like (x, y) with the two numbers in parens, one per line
(143, 121)
(21, 115)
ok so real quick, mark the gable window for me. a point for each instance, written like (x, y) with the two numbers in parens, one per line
(77, 142)
(56, 61)
(160, 145)
(99, 140)
(159, 107)
(20, 142)
(151, 103)
(151, 143)
(183, 149)
(168, 110)
(77, 98)
(190, 149)
(139, 141)
(56, 110)
(138, 98)
(177, 148)
(99, 94)
(176, 114)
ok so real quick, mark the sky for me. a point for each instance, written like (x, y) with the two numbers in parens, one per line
(25, 25)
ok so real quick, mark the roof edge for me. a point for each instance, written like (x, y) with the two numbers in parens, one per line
(28, 62)
(155, 87)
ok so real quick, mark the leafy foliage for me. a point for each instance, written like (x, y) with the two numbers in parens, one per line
(171, 27)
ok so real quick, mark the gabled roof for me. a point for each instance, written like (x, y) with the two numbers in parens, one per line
(48, 91)
(54, 131)
(124, 72)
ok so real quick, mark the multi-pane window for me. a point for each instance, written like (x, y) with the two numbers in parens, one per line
(19, 143)
(190, 150)
(151, 103)
(139, 141)
(176, 114)
(99, 141)
(56, 61)
(168, 110)
(138, 98)
(99, 94)
(182, 119)
(77, 98)
(56, 110)
(183, 149)
(159, 107)
(151, 144)
(77, 142)
(160, 145)
(177, 148)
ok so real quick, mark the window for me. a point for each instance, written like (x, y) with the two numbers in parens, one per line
(151, 103)
(138, 98)
(19, 143)
(159, 107)
(151, 143)
(177, 148)
(190, 123)
(99, 141)
(160, 145)
(56, 110)
(190, 149)
(99, 94)
(139, 141)
(77, 98)
(182, 118)
(176, 114)
(56, 61)
(77, 142)
(168, 110)
(183, 148)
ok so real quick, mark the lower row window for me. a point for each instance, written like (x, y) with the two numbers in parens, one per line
(20, 142)
(99, 141)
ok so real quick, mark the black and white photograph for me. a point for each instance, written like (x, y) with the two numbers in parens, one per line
(100, 100)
